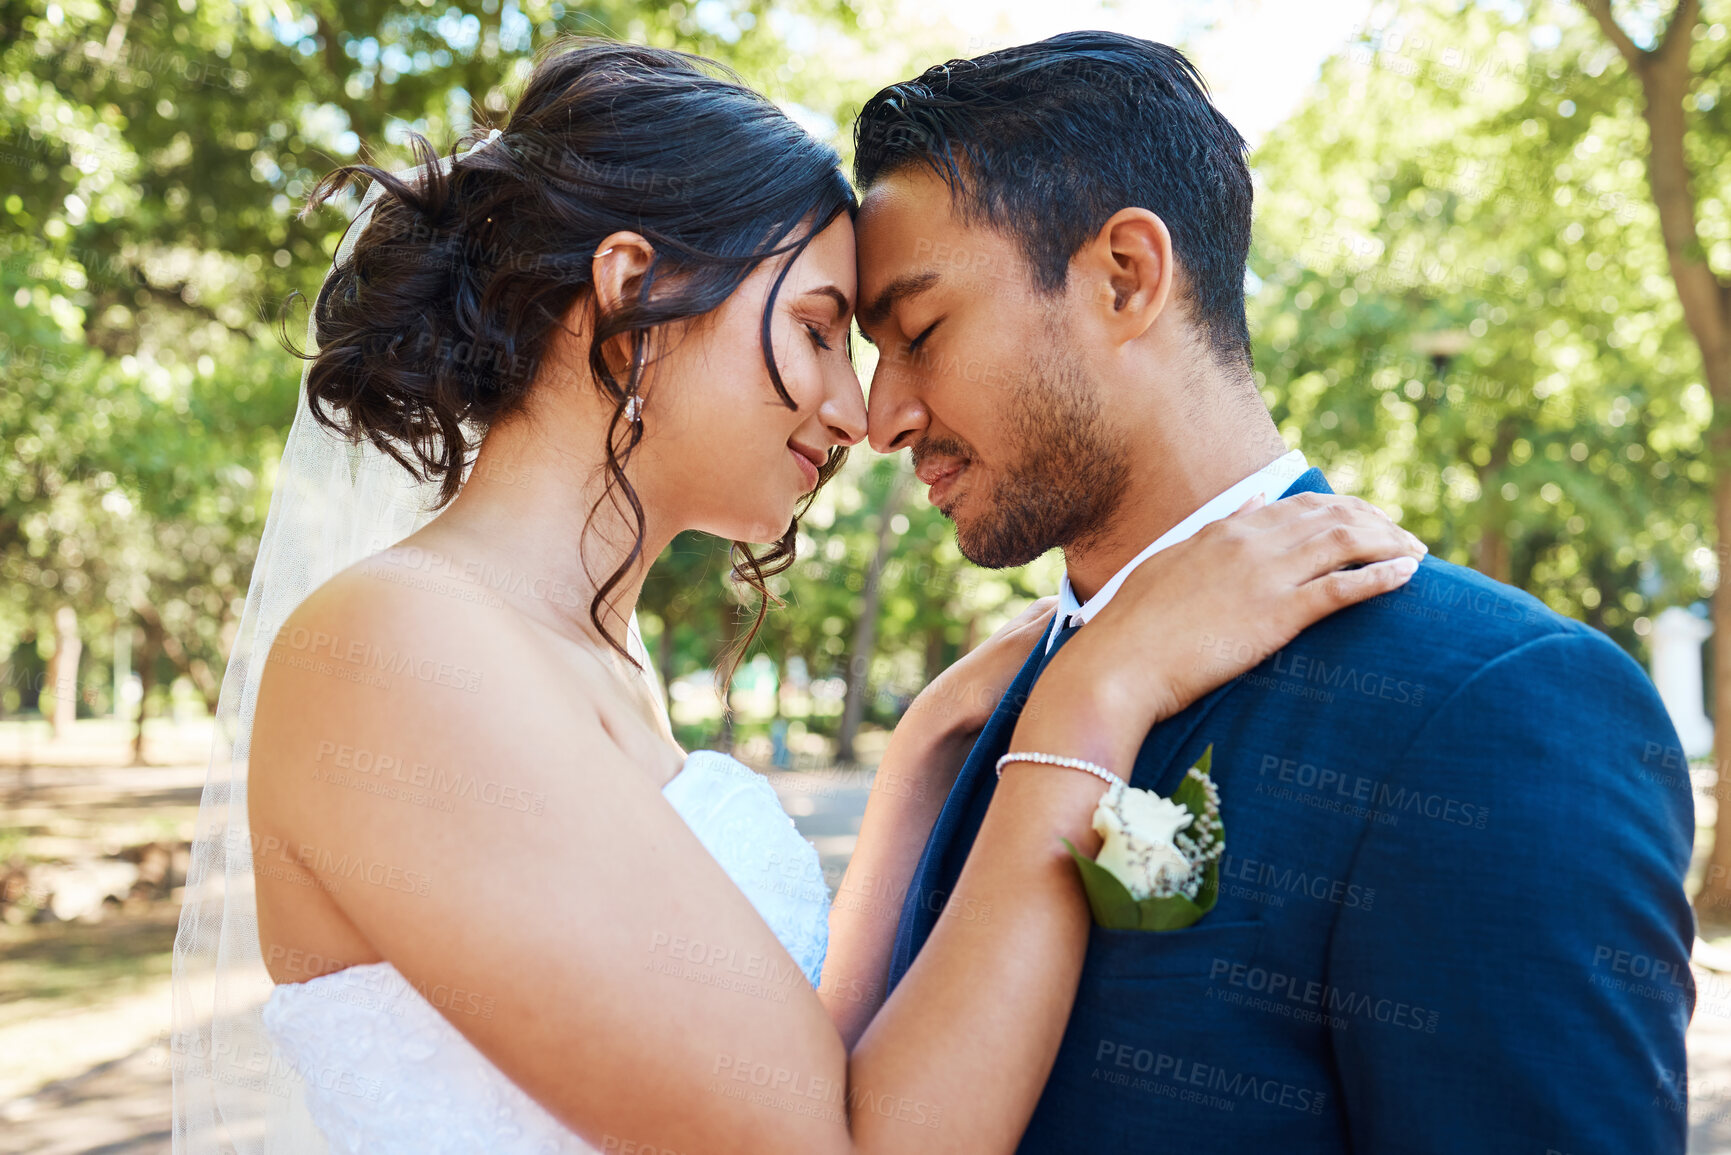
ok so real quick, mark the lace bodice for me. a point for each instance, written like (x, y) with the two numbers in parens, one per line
(385, 1073)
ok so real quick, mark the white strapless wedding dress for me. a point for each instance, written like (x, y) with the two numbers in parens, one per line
(386, 1074)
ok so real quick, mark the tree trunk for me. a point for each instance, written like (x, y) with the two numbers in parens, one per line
(1492, 554)
(122, 669)
(866, 625)
(1666, 78)
(934, 664)
(64, 675)
(203, 677)
(1713, 900)
(146, 681)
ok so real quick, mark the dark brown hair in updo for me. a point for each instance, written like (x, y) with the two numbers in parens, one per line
(443, 313)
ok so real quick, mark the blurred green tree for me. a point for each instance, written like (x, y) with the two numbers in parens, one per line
(1462, 311)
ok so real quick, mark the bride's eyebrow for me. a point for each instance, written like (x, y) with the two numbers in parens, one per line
(843, 306)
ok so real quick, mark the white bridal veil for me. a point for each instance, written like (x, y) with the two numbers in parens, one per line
(334, 504)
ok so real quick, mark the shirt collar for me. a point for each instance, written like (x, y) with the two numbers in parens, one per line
(1271, 481)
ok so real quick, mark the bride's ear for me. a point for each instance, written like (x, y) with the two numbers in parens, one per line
(616, 270)
(1131, 259)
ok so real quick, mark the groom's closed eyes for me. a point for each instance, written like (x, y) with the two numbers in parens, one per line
(879, 309)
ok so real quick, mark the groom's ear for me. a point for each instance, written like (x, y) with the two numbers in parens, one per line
(1130, 267)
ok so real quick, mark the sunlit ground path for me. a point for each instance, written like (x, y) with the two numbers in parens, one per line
(84, 1006)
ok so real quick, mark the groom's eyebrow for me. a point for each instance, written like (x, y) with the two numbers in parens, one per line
(877, 310)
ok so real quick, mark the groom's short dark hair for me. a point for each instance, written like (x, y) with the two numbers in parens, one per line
(1046, 141)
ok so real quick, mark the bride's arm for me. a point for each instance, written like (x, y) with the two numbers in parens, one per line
(608, 965)
(918, 768)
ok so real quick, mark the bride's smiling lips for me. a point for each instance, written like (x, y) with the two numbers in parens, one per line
(810, 461)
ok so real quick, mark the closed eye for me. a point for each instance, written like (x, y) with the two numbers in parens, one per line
(914, 345)
(817, 336)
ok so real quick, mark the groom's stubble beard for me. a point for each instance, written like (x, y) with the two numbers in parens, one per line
(1066, 468)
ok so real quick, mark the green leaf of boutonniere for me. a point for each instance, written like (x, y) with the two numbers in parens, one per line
(1112, 905)
(1110, 900)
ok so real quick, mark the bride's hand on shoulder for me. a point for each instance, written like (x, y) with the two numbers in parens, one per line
(1196, 615)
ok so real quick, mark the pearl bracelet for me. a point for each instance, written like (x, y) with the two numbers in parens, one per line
(1081, 764)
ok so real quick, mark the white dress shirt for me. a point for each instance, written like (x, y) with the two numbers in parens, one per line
(1271, 481)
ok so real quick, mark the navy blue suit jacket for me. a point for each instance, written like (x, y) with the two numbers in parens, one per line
(1451, 915)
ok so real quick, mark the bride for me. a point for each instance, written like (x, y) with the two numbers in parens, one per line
(456, 888)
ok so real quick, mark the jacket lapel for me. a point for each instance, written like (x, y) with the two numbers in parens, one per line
(1310, 481)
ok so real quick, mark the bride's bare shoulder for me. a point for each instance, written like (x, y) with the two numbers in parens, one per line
(388, 648)
(363, 628)
(411, 652)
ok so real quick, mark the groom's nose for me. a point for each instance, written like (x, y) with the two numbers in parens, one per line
(895, 414)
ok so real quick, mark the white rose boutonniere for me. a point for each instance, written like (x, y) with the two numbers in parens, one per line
(1158, 867)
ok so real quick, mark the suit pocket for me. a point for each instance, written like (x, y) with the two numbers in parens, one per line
(1192, 953)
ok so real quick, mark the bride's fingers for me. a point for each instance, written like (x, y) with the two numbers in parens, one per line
(1256, 502)
(1356, 541)
(1293, 519)
(1321, 596)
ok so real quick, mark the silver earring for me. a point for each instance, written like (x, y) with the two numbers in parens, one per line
(634, 403)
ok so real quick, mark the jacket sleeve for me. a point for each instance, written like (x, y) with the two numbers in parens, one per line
(1534, 940)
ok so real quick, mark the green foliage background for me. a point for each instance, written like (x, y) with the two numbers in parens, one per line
(1460, 304)
(1466, 313)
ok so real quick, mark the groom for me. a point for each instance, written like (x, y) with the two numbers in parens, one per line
(1451, 913)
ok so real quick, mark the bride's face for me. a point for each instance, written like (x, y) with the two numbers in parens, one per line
(721, 450)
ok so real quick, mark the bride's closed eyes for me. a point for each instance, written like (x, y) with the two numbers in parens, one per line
(825, 326)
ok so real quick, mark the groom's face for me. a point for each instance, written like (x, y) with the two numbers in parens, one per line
(978, 375)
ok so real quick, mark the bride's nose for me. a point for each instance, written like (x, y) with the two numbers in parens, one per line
(843, 412)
